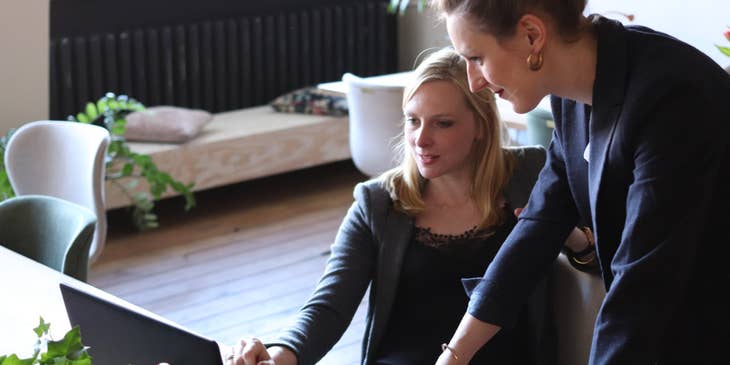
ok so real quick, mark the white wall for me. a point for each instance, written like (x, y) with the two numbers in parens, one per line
(24, 41)
(416, 32)
(697, 22)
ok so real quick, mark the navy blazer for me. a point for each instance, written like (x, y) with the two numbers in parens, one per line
(648, 165)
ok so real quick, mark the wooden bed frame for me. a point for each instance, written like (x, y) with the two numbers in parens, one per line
(243, 145)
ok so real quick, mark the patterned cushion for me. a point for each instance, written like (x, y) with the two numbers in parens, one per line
(311, 100)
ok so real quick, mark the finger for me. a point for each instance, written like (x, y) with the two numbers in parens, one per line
(237, 354)
(518, 211)
(254, 351)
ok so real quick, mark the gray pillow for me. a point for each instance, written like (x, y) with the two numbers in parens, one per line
(165, 124)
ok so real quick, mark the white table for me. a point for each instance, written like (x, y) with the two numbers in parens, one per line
(506, 112)
(29, 290)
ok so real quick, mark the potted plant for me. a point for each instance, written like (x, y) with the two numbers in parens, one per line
(46, 351)
(122, 164)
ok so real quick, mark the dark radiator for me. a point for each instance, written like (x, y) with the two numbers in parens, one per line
(220, 63)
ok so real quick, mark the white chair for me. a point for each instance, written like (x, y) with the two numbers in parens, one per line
(65, 160)
(376, 114)
(576, 298)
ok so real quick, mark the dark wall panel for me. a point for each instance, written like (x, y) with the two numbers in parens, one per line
(216, 55)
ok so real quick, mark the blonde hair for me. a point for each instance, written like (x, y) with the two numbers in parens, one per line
(491, 165)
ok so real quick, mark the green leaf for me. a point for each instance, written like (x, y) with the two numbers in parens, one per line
(82, 118)
(61, 348)
(70, 347)
(724, 50)
(14, 360)
(42, 328)
(120, 127)
(102, 105)
(91, 111)
(128, 169)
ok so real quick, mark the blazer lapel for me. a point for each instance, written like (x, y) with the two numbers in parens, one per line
(608, 93)
(393, 243)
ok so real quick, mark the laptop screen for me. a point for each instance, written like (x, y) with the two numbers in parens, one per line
(119, 336)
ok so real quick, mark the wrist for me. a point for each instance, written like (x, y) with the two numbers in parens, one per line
(583, 259)
(446, 358)
(282, 355)
(580, 241)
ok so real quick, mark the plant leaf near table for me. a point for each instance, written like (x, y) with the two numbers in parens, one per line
(124, 168)
(67, 351)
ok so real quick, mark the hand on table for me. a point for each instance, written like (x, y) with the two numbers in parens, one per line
(249, 352)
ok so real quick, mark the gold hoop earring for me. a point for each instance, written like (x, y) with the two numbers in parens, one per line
(534, 64)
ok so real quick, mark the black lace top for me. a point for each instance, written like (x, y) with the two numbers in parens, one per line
(431, 300)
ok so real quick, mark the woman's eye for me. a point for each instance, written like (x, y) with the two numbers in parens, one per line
(444, 123)
(411, 121)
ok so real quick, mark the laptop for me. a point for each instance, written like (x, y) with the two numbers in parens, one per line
(119, 336)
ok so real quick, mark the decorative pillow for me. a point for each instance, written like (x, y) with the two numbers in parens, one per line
(310, 100)
(165, 124)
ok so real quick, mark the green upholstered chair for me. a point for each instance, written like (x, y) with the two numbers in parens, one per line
(52, 231)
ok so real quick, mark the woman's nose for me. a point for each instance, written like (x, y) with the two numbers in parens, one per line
(477, 81)
(423, 137)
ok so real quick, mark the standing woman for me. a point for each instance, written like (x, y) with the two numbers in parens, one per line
(415, 231)
(640, 149)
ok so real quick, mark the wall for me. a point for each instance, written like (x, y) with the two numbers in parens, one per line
(700, 24)
(416, 32)
(24, 62)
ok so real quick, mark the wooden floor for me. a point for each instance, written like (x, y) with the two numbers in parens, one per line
(239, 264)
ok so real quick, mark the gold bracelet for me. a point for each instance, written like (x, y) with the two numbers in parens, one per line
(584, 262)
(445, 347)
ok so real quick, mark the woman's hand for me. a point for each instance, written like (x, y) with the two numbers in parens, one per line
(249, 352)
(253, 352)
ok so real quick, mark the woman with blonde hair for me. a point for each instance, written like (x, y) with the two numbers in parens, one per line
(413, 233)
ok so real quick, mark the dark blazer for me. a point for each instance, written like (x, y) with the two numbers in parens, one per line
(368, 250)
(655, 185)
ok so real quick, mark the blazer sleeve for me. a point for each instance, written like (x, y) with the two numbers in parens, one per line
(326, 315)
(677, 153)
(530, 249)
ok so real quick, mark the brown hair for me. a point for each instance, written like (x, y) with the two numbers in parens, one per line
(500, 17)
(491, 164)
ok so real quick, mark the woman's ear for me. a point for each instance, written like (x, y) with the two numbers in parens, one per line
(533, 30)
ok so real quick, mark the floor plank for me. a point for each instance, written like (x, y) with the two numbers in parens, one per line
(239, 264)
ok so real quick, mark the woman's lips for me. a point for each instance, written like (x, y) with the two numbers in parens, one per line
(427, 159)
